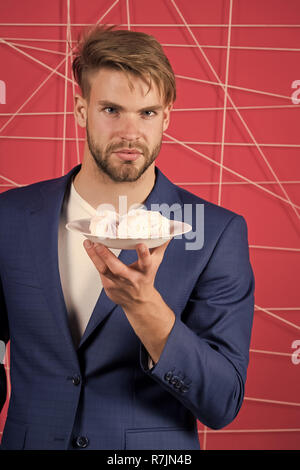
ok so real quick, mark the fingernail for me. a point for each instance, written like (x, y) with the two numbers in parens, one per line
(143, 250)
(88, 243)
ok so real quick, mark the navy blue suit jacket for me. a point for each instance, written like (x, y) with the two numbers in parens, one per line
(103, 390)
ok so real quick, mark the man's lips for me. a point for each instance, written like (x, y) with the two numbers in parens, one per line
(128, 154)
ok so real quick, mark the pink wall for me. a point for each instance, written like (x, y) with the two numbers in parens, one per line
(246, 158)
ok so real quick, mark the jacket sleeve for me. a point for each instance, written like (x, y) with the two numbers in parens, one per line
(4, 337)
(204, 362)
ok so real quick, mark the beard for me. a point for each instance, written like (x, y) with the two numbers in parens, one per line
(125, 171)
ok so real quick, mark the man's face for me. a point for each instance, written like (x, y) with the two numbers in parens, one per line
(124, 125)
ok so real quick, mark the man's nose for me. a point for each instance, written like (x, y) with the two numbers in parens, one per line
(129, 128)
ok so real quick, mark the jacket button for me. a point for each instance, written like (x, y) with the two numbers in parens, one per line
(178, 384)
(168, 376)
(174, 380)
(82, 442)
(76, 380)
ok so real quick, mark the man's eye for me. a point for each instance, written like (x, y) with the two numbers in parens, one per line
(149, 113)
(110, 110)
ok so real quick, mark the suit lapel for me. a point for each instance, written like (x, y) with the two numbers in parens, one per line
(43, 225)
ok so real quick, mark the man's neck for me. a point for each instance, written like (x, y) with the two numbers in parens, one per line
(97, 188)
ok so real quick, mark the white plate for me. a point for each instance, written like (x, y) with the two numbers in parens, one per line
(81, 226)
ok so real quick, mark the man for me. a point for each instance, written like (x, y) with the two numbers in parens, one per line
(120, 349)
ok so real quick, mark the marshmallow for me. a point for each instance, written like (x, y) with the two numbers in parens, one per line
(104, 224)
(138, 223)
(143, 224)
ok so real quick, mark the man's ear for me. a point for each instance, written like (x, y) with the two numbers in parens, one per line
(80, 110)
(166, 116)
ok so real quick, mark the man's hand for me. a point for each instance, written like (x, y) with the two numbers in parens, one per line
(132, 287)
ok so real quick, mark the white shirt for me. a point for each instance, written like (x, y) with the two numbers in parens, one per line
(81, 282)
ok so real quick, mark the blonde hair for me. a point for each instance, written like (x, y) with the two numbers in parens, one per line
(132, 52)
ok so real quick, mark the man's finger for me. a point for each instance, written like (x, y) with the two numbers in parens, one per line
(160, 250)
(99, 264)
(116, 266)
(144, 257)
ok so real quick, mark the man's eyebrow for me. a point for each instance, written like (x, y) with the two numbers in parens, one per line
(155, 107)
(110, 104)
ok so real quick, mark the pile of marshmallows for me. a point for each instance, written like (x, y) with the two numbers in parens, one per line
(137, 223)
